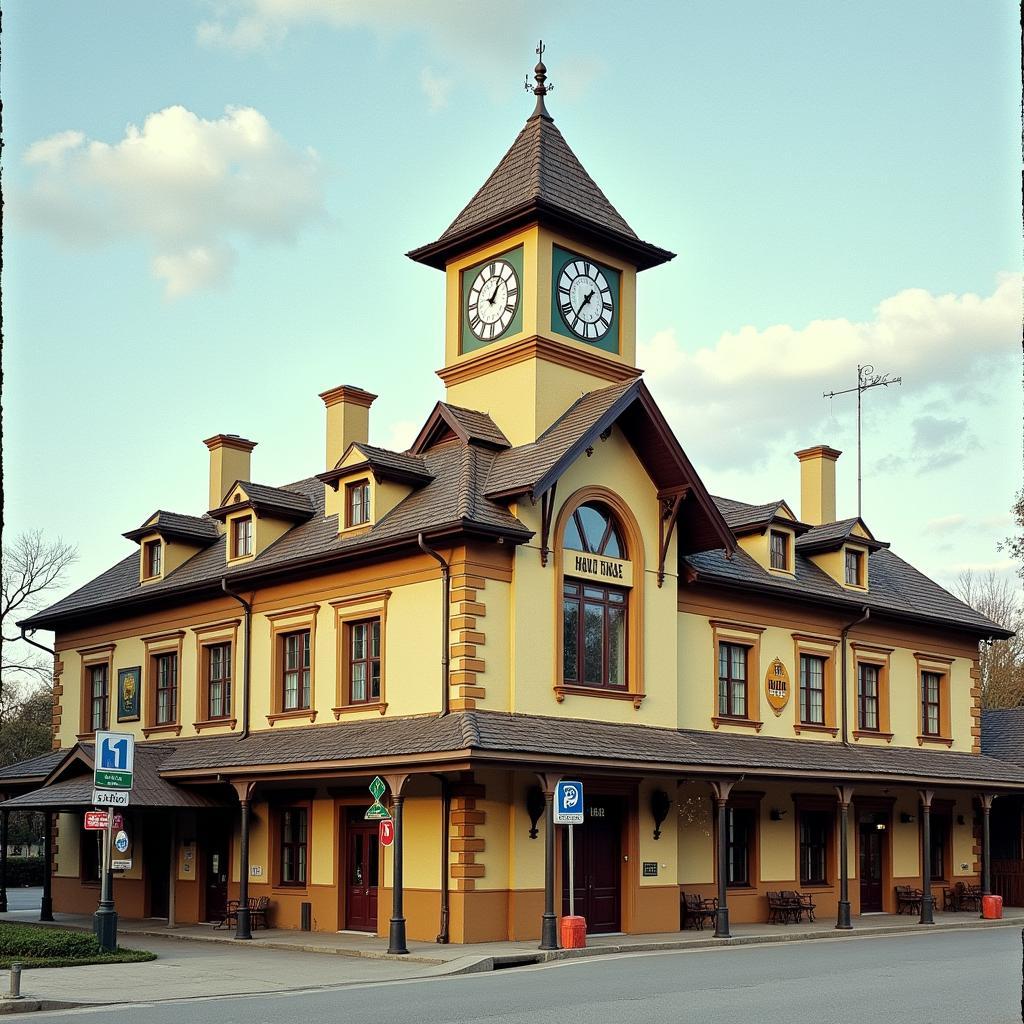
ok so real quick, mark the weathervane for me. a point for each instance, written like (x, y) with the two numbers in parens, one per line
(542, 88)
(866, 380)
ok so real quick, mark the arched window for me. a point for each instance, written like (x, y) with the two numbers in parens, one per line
(594, 615)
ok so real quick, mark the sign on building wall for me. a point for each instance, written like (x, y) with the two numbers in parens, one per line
(617, 572)
(128, 686)
(776, 686)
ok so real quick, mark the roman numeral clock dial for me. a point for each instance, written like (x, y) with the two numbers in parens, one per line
(493, 299)
(585, 300)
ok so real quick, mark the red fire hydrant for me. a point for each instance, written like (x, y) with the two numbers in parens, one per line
(992, 907)
(574, 932)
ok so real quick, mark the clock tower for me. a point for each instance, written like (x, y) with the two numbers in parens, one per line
(540, 273)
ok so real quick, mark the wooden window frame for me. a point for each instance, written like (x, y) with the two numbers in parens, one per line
(350, 610)
(828, 835)
(817, 803)
(744, 635)
(632, 538)
(878, 657)
(816, 646)
(748, 803)
(236, 523)
(861, 556)
(732, 685)
(278, 811)
(607, 605)
(365, 505)
(283, 624)
(92, 657)
(941, 666)
(155, 647)
(148, 546)
(213, 635)
(942, 813)
(787, 551)
(351, 661)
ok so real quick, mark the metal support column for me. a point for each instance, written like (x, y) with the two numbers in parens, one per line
(845, 796)
(396, 933)
(549, 923)
(721, 790)
(986, 845)
(243, 926)
(46, 904)
(3, 861)
(927, 900)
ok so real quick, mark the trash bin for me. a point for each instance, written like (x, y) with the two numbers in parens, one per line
(574, 932)
(992, 907)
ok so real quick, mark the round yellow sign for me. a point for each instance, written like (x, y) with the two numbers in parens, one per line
(776, 686)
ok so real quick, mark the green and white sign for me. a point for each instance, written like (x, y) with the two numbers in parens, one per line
(114, 760)
(377, 811)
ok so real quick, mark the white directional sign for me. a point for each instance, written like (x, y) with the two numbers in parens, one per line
(114, 760)
(569, 803)
(111, 797)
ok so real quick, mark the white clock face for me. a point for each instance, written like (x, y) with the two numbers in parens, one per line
(493, 299)
(585, 299)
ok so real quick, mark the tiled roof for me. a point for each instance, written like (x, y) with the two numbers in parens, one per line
(831, 535)
(292, 503)
(478, 426)
(1002, 734)
(34, 767)
(545, 737)
(896, 587)
(400, 462)
(453, 499)
(175, 525)
(739, 515)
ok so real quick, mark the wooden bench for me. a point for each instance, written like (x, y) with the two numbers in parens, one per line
(783, 909)
(908, 900)
(695, 911)
(259, 907)
(968, 897)
(802, 903)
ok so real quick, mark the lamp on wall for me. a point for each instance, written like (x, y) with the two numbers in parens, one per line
(776, 814)
(960, 819)
(660, 803)
(534, 808)
(906, 819)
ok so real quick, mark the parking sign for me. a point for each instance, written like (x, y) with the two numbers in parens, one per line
(569, 803)
(114, 760)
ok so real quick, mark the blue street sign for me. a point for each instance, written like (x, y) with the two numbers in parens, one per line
(569, 803)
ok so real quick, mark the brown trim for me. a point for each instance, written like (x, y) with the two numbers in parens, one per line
(348, 610)
(89, 658)
(284, 623)
(350, 486)
(865, 654)
(745, 723)
(160, 638)
(349, 394)
(215, 723)
(213, 635)
(351, 709)
(283, 716)
(742, 635)
(277, 809)
(563, 690)
(288, 613)
(155, 646)
(870, 734)
(813, 646)
(820, 803)
(170, 727)
(941, 667)
(939, 741)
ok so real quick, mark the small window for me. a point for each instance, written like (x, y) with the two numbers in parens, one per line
(594, 636)
(854, 568)
(815, 829)
(357, 503)
(732, 680)
(295, 678)
(294, 845)
(166, 667)
(364, 661)
(592, 528)
(218, 662)
(812, 689)
(151, 559)
(931, 703)
(241, 537)
(739, 834)
(779, 550)
(99, 696)
(867, 697)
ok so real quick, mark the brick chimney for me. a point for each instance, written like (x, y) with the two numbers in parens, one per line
(818, 484)
(348, 419)
(229, 461)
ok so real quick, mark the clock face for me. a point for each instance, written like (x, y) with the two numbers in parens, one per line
(585, 299)
(492, 300)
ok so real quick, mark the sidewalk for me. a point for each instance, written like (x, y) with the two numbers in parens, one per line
(198, 960)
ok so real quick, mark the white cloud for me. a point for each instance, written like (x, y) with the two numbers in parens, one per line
(756, 389)
(186, 186)
(944, 524)
(436, 87)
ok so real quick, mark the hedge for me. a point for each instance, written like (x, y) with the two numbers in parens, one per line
(22, 871)
(33, 946)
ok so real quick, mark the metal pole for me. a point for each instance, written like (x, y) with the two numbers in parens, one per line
(3, 861)
(396, 934)
(860, 392)
(927, 900)
(843, 920)
(105, 918)
(173, 875)
(549, 924)
(46, 903)
(572, 876)
(986, 846)
(722, 914)
(242, 924)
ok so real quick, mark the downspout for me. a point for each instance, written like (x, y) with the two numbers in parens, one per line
(865, 615)
(42, 647)
(446, 803)
(445, 622)
(246, 666)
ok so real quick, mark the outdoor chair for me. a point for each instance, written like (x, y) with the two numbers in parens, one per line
(696, 911)
(782, 908)
(968, 897)
(950, 898)
(802, 903)
(259, 906)
(908, 900)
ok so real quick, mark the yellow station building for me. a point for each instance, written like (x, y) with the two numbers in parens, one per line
(757, 698)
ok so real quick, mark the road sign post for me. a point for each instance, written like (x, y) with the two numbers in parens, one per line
(386, 831)
(568, 811)
(113, 775)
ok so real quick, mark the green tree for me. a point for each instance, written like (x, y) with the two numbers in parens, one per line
(1002, 661)
(1014, 544)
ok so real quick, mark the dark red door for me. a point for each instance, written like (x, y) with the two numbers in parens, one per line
(598, 865)
(870, 868)
(215, 867)
(363, 850)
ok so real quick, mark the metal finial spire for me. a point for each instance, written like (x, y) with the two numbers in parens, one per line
(542, 88)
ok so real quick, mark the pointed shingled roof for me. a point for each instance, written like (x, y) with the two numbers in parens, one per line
(540, 177)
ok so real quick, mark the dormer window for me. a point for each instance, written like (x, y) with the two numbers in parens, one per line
(779, 550)
(241, 537)
(152, 560)
(357, 503)
(854, 568)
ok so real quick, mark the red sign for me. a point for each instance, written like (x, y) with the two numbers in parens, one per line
(97, 820)
(386, 830)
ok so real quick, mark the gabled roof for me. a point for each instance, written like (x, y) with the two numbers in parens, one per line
(276, 502)
(540, 178)
(830, 536)
(34, 769)
(468, 425)
(1002, 734)
(199, 530)
(534, 468)
(383, 463)
(743, 518)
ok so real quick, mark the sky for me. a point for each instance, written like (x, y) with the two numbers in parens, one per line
(208, 202)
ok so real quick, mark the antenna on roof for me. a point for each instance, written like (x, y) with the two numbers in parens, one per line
(866, 380)
(542, 88)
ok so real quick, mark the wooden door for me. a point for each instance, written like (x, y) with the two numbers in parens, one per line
(870, 867)
(361, 867)
(156, 850)
(215, 874)
(597, 865)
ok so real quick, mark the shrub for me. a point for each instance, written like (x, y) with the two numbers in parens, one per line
(23, 871)
(21, 940)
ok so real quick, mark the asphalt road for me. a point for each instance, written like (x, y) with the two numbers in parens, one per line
(964, 977)
(24, 899)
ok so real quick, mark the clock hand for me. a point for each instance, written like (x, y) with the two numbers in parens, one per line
(590, 295)
(494, 291)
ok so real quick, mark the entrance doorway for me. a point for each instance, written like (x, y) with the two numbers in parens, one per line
(156, 848)
(870, 868)
(362, 862)
(215, 868)
(597, 864)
